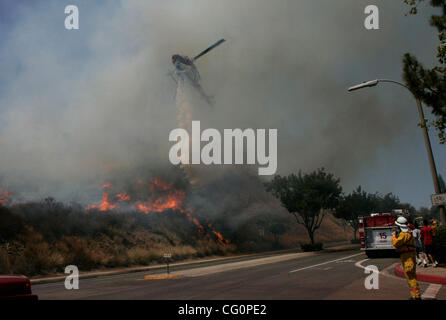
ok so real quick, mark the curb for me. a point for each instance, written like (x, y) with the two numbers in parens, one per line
(420, 276)
(162, 277)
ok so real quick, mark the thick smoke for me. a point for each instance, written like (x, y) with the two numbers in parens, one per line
(82, 107)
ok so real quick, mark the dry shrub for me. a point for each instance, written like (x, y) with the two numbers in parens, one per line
(31, 255)
(53, 236)
(83, 253)
(5, 267)
(139, 256)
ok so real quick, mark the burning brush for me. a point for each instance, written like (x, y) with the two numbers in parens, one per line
(5, 197)
(161, 196)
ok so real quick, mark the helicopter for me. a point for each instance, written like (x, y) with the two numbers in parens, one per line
(185, 68)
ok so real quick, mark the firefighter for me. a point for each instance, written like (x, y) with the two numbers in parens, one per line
(434, 224)
(404, 245)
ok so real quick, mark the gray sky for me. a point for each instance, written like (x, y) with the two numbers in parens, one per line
(76, 106)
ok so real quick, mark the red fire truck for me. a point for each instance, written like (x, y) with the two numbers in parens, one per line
(375, 233)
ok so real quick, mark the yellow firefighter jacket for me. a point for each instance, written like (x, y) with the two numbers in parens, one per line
(404, 243)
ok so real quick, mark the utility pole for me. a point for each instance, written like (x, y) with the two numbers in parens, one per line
(431, 158)
(427, 141)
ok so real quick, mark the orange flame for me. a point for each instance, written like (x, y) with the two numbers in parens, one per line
(162, 197)
(104, 205)
(195, 221)
(5, 196)
(172, 200)
(220, 237)
(123, 196)
(157, 184)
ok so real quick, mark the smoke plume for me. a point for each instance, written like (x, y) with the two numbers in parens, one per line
(78, 108)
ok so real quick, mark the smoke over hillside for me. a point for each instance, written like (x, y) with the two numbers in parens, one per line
(81, 108)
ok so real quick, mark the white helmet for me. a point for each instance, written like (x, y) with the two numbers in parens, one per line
(402, 223)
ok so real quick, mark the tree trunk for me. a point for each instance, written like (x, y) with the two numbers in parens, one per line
(311, 235)
(310, 232)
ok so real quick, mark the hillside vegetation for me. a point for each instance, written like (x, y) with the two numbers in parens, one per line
(43, 237)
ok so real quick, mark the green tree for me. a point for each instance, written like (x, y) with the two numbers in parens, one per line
(429, 213)
(356, 204)
(429, 85)
(389, 202)
(308, 197)
(385, 203)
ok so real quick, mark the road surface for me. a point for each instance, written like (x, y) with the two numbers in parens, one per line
(335, 275)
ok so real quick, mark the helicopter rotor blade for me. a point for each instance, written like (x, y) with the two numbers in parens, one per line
(209, 49)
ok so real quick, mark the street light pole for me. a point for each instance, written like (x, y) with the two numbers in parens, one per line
(423, 125)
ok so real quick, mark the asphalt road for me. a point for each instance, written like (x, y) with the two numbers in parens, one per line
(326, 275)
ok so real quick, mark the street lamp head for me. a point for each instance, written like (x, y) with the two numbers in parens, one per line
(371, 83)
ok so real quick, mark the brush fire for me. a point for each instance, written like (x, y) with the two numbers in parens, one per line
(5, 197)
(160, 197)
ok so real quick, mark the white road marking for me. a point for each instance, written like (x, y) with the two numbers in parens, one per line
(431, 291)
(203, 271)
(384, 272)
(326, 262)
(346, 261)
(359, 264)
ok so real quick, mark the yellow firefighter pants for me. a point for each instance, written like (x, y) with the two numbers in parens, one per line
(409, 266)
